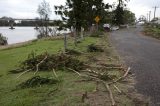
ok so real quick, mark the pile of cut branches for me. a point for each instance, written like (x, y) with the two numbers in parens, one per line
(37, 81)
(73, 52)
(48, 62)
(95, 48)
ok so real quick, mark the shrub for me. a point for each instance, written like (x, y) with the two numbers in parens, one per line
(3, 40)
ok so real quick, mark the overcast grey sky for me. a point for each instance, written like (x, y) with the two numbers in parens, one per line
(28, 8)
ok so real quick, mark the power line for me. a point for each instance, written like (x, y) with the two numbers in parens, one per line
(155, 8)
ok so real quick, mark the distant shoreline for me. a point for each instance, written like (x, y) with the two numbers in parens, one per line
(16, 45)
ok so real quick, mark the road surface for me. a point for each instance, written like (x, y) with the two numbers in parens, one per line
(142, 54)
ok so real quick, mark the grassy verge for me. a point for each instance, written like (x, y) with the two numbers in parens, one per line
(153, 31)
(69, 91)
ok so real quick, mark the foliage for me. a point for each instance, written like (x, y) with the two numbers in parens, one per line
(129, 17)
(152, 30)
(52, 61)
(118, 18)
(3, 40)
(96, 34)
(36, 81)
(95, 48)
(72, 52)
(73, 13)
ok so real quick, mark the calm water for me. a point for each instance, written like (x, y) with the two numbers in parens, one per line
(20, 34)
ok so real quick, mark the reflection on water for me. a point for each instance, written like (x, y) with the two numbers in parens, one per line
(19, 34)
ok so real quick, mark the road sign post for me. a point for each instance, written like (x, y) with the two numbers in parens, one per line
(97, 19)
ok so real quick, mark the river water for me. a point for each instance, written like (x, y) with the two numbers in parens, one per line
(19, 34)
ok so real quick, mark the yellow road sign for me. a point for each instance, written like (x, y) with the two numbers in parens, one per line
(97, 19)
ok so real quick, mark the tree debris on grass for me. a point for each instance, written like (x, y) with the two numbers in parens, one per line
(48, 62)
(94, 48)
(37, 81)
(105, 79)
(72, 52)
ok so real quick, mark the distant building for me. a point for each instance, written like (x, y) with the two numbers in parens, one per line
(156, 21)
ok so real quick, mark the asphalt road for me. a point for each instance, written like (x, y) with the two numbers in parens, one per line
(142, 54)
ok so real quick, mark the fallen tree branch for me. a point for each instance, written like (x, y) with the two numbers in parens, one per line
(110, 93)
(54, 72)
(86, 76)
(75, 71)
(126, 73)
(105, 67)
(23, 73)
(117, 89)
(37, 66)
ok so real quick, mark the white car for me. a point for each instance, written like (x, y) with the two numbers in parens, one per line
(114, 28)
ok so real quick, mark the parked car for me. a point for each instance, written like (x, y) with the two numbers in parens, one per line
(114, 28)
(107, 27)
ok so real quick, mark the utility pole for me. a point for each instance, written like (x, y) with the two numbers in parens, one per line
(149, 16)
(155, 8)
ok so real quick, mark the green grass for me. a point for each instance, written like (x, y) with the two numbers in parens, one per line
(10, 59)
(152, 31)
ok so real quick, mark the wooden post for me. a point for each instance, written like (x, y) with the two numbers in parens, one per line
(11, 24)
(65, 43)
(75, 37)
(97, 26)
(36, 28)
(82, 30)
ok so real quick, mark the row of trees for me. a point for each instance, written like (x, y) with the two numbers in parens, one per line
(81, 13)
(5, 21)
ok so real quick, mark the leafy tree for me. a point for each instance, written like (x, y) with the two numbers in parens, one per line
(119, 12)
(128, 17)
(81, 13)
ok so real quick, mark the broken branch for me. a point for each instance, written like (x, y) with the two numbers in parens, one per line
(126, 73)
(37, 66)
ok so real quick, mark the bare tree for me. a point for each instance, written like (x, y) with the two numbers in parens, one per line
(44, 11)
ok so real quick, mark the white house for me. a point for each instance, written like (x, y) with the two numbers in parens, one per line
(157, 21)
